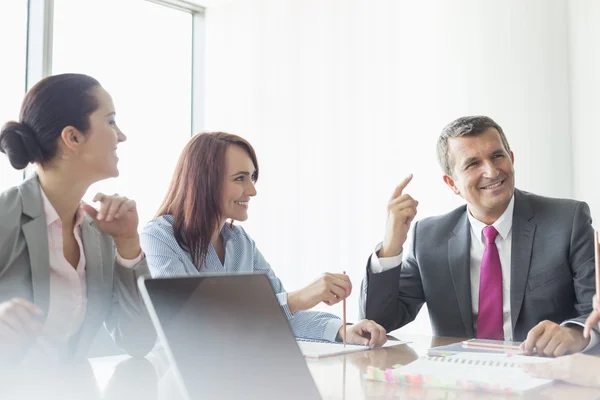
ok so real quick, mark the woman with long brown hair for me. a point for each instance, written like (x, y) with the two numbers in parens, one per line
(213, 183)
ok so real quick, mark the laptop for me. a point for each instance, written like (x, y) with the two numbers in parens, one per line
(226, 337)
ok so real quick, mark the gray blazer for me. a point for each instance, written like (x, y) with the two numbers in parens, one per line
(552, 270)
(113, 297)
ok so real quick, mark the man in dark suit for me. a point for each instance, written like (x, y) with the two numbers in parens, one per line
(509, 265)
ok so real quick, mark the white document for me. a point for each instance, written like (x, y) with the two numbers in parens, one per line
(488, 372)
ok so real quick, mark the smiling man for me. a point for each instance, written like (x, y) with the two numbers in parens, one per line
(508, 265)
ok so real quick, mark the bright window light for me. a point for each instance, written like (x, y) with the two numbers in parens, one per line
(13, 46)
(141, 53)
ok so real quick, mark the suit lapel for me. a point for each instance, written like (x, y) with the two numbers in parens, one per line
(94, 278)
(36, 235)
(522, 244)
(93, 265)
(459, 248)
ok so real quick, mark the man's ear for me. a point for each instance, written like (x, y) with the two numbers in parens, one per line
(72, 138)
(512, 157)
(450, 182)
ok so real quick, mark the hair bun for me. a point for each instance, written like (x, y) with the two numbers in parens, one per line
(18, 142)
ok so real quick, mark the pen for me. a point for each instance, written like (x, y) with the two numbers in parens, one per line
(490, 345)
(597, 261)
(592, 319)
(344, 320)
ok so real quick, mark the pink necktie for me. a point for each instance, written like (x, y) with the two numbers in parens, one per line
(489, 318)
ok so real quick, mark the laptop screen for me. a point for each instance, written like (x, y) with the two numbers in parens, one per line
(230, 338)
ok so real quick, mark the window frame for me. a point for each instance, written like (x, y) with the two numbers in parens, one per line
(40, 27)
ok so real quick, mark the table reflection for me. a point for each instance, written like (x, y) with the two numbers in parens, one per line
(114, 378)
(152, 378)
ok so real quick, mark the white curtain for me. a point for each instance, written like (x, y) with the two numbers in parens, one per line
(342, 99)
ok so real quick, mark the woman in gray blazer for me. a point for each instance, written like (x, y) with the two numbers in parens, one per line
(65, 266)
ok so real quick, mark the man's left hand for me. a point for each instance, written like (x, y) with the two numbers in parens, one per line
(551, 339)
(365, 332)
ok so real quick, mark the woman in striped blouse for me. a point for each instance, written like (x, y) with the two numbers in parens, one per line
(212, 183)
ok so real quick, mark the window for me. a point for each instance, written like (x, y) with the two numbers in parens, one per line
(141, 53)
(13, 47)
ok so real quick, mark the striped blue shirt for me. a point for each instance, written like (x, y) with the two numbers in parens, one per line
(166, 259)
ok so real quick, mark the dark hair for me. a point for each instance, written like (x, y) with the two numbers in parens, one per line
(195, 193)
(464, 126)
(50, 106)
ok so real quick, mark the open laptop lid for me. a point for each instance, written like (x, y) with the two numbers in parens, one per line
(227, 337)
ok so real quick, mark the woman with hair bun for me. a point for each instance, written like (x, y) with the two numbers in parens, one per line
(67, 267)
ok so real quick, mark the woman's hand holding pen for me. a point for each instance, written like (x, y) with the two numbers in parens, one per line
(118, 218)
(329, 289)
(593, 318)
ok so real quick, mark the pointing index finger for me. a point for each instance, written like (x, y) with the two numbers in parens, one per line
(402, 186)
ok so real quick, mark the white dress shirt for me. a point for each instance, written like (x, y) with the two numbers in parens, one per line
(504, 243)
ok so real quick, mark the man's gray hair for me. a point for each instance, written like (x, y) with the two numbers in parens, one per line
(464, 126)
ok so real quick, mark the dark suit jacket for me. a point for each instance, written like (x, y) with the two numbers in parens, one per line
(113, 297)
(552, 270)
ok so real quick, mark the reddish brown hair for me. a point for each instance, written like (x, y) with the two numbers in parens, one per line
(195, 193)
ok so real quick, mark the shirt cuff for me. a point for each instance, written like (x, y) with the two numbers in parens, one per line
(282, 298)
(379, 265)
(594, 336)
(129, 263)
(331, 329)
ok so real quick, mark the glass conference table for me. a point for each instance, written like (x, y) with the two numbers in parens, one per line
(337, 377)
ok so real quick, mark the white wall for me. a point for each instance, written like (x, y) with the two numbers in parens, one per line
(584, 67)
(343, 99)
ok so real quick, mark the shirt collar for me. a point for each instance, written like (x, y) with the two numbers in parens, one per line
(227, 232)
(52, 215)
(503, 224)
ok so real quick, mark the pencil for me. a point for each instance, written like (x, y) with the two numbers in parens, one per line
(344, 320)
(597, 261)
(490, 345)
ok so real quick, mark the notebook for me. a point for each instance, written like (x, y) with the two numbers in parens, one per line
(477, 346)
(318, 349)
(498, 373)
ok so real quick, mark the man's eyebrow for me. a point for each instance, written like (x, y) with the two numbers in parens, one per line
(469, 160)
